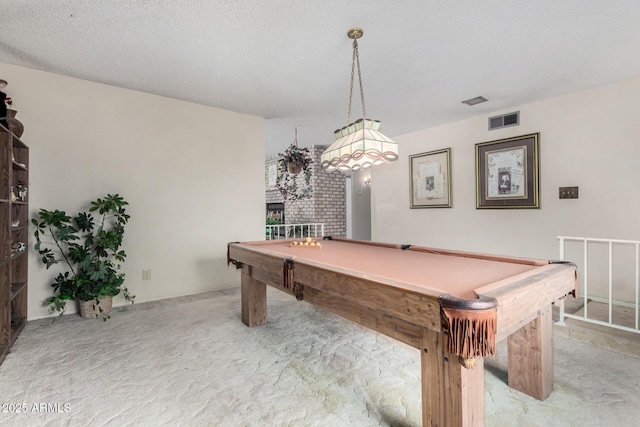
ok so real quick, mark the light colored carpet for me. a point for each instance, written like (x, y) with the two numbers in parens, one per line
(191, 362)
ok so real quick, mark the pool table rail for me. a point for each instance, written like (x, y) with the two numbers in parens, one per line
(520, 301)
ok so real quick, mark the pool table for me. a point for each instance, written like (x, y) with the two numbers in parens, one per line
(452, 306)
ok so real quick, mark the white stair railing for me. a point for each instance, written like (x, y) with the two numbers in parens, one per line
(584, 275)
(294, 231)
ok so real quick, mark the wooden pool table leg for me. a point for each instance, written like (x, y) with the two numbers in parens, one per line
(530, 356)
(452, 395)
(253, 300)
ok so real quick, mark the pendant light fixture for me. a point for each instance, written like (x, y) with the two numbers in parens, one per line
(359, 144)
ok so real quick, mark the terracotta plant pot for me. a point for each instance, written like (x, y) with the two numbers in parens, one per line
(294, 168)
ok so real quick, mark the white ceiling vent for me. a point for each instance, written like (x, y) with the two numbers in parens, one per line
(504, 120)
(475, 101)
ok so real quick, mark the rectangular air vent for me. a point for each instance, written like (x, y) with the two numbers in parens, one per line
(504, 120)
(475, 101)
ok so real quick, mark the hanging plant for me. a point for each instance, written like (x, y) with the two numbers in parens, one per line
(291, 163)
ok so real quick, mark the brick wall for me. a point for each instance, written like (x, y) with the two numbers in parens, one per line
(328, 202)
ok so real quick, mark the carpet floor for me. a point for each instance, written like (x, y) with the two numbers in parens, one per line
(190, 361)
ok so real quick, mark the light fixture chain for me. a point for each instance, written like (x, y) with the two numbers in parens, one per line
(353, 67)
(357, 55)
(356, 60)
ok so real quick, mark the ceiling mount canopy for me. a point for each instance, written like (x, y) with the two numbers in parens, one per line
(355, 33)
(359, 144)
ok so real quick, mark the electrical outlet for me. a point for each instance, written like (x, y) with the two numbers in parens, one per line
(146, 274)
(568, 192)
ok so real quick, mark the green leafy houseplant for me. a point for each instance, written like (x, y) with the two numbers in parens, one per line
(272, 221)
(89, 247)
(287, 181)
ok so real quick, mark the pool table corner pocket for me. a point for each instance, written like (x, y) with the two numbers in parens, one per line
(470, 326)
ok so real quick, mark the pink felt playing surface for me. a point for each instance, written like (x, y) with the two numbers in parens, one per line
(457, 273)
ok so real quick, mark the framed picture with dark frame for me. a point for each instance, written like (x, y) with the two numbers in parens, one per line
(430, 179)
(508, 173)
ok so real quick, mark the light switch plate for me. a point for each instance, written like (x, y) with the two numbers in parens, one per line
(568, 192)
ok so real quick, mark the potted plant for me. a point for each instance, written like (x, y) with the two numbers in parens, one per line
(269, 230)
(290, 163)
(90, 248)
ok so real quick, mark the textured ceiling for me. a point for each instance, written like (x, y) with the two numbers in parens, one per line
(290, 61)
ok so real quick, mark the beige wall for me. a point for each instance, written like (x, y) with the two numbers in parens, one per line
(589, 139)
(361, 205)
(193, 176)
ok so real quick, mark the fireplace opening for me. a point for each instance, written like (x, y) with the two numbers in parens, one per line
(275, 213)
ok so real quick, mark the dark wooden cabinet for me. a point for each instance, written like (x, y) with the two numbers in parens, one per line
(14, 236)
